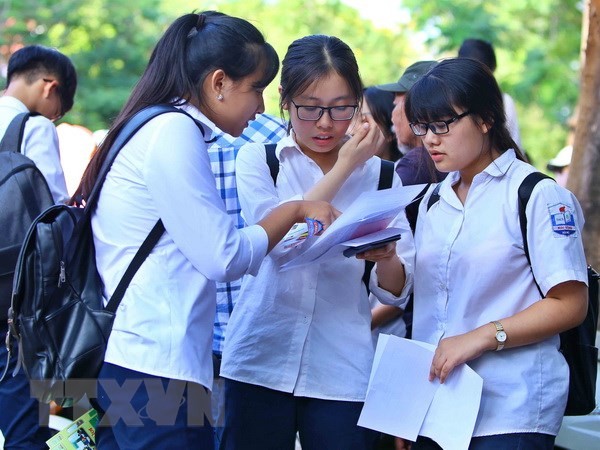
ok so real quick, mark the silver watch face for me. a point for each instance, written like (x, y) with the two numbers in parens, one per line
(501, 336)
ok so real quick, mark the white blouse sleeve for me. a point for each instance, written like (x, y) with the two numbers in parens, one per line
(554, 225)
(180, 180)
(256, 189)
(40, 144)
(405, 249)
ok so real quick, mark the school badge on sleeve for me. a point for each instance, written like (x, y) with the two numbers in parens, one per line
(563, 220)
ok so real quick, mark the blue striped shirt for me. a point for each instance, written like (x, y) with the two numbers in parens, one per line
(222, 153)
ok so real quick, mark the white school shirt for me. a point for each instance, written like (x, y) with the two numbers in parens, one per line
(164, 324)
(308, 330)
(471, 269)
(40, 144)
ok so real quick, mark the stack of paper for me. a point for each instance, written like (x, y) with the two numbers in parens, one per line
(401, 401)
(366, 220)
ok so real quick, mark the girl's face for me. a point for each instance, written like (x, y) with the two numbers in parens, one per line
(464, 148)
(325, 134)
(240, 103)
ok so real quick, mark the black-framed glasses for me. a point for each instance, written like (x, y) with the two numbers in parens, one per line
(437, 127)
(313, 113)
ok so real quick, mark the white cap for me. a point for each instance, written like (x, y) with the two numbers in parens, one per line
(562, 159)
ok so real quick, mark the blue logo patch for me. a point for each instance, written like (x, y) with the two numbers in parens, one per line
(563, 220)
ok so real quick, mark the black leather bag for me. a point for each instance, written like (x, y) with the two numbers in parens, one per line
(57, 314)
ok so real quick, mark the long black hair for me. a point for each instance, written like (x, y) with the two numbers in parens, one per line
(194, 46)
(312, 58)
(381, 105)
(466, 84)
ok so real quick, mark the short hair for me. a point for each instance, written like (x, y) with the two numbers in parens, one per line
(36, 61)
(478, 49)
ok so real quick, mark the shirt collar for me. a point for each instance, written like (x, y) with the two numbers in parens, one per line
(13, 102)
(497, 168)
(287, 145)
(501, 164)
(209, 128)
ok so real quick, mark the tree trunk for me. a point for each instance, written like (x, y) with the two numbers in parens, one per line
(584, 173)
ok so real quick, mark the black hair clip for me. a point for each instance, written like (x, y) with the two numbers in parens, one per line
(200, 23)
(198, 27)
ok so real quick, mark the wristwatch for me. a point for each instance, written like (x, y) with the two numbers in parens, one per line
(500, 335)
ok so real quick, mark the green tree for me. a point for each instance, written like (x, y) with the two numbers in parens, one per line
(108, 41)
(537, 47)
(382, 54)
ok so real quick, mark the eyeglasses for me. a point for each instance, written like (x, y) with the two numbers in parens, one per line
(309, 112)
(437, 127)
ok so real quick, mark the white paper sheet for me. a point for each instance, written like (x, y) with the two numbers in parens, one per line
(370, 213)
(399, 394)
(399, 391)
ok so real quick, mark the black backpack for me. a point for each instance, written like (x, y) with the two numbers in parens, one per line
(57, 313)
(24, 194)
(577, 344)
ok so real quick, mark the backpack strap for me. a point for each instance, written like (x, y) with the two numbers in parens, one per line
(11, 142)
(524, 193)
(272, 161)
(386, 175)
(13, 137)
(386, 178)
(134, 124)
(142, 253)
(435, 196)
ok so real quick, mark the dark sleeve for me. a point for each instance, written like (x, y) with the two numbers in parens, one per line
(417, 167)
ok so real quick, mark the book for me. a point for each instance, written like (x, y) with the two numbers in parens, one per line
(79, 435)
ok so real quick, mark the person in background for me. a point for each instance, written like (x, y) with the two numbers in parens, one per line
(222, 153)
(379, 104)
(298, 350)
(41, 80)
(475, 295)
(483, 51)
(76, 146)
(414, 167)
(559, 165)
(213, 67)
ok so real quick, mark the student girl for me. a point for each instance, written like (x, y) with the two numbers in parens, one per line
(380, 104)
(475, 295)
(298, 349)
(158, 363)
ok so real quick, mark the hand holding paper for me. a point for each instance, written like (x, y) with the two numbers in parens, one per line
(365, 221)
(401, 401)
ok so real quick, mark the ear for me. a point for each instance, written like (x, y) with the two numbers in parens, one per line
(49, 88)
(485, 127)
(216, 82)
